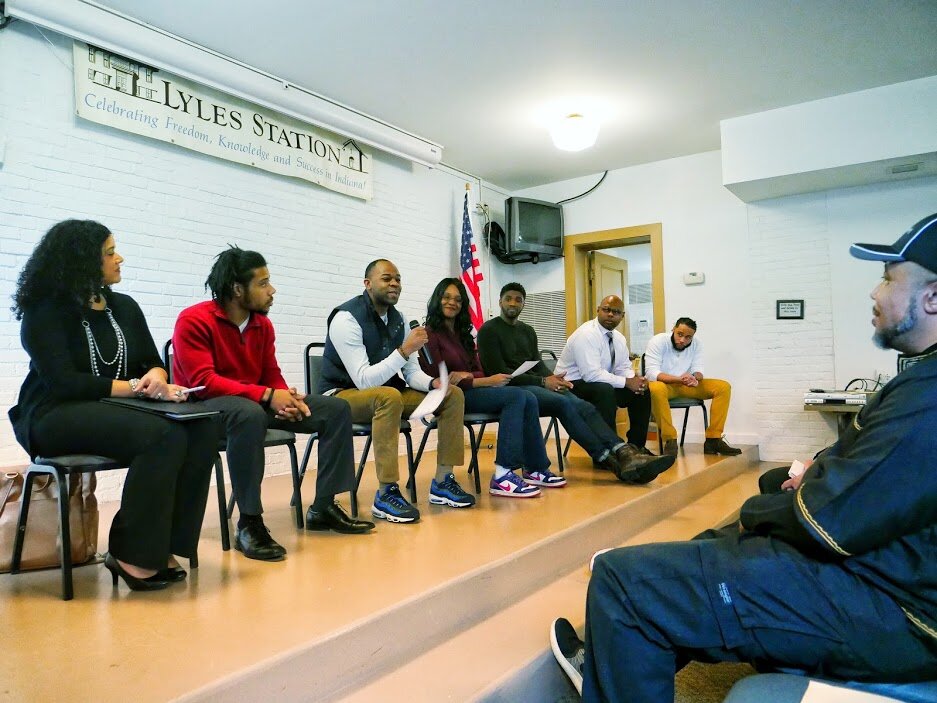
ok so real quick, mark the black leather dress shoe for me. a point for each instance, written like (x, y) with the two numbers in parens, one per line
(254, 541)
(335, 518)
(644, 469)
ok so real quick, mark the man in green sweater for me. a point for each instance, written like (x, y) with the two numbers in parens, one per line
(504, 343)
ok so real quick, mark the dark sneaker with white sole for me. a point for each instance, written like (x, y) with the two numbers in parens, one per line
(568, 649)
(450, 493)
(391, 506)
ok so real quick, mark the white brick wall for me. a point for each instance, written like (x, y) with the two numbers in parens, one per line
(173, 210)
(790, 259)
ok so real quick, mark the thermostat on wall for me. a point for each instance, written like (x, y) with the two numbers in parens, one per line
(694, 278)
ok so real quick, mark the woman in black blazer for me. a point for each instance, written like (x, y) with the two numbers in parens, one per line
(86, 342)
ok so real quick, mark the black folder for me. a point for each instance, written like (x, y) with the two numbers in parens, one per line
(173, 411)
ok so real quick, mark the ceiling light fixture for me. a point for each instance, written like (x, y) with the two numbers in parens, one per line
(574, 132)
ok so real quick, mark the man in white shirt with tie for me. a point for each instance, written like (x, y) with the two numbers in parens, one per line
(673, 364)
(597, 362)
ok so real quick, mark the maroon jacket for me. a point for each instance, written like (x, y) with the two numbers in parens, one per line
(445, 346)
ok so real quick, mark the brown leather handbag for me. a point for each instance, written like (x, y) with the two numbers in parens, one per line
(41, 545)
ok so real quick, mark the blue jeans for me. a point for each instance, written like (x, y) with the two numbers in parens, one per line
(519, 440)
(581, 420)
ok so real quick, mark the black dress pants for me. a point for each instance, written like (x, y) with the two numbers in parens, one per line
(608, 399)
(245, 425)
(166, 488)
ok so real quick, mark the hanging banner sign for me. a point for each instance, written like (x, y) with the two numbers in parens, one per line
(127, 95)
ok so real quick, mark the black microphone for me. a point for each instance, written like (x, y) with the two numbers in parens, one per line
(423, 350)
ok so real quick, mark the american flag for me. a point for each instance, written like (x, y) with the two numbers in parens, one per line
(471, 273)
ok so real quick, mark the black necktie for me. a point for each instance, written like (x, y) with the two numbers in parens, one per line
(611, 350)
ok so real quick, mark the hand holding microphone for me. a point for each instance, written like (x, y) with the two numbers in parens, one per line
(417, 339)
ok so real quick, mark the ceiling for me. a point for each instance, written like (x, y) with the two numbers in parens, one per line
(483, 77)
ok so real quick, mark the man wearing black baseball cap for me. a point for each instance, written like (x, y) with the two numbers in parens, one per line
(835, 577)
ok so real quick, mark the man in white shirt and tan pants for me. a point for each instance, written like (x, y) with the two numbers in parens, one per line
(673, 367)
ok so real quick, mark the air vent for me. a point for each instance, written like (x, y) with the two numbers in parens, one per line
(905, 168)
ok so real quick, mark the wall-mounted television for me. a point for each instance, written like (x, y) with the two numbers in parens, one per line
(533, 231)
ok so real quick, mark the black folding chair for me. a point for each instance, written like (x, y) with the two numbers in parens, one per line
(312, 363)
(681, 403)
(549, 359)
(62, 469)
(470, 420)
(273, 438)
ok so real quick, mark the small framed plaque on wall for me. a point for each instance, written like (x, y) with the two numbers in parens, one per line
(790, 309)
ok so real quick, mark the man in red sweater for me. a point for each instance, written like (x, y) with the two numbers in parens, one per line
(227, 345)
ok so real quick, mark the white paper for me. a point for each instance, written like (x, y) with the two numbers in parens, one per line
(434, 398)
(797, 468)
(523, 368)
(818, 692)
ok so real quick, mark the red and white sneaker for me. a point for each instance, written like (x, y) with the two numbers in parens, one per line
(545, 478)
(512, 486)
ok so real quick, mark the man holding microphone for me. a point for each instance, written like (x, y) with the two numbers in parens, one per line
(366, 351)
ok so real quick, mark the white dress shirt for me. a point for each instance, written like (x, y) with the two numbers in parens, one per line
(346, 336)
(661, 357)
(587, 356)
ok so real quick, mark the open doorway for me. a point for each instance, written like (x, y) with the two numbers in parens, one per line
(625, 271)
(640, 251)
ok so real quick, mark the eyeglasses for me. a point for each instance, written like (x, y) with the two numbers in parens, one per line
(448, 299)
(611, 311)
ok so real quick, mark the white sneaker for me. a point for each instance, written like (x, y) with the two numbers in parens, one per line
(569, 650)
(592, 560)
(512, 486)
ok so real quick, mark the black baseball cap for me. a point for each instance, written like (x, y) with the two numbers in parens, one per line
(918, 244)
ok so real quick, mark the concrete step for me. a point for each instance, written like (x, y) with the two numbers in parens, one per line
(485, 639)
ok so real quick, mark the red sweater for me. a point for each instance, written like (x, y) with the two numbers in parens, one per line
(209, 350)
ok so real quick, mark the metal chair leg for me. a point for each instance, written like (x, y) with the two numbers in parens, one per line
(411, 466)
(297, 498)
(559, 452)
(686, 416)
(569, 441)
(222, 507)
(419, 455)
(358, 473)
(302, 467)
(66, 535)
(475, 444)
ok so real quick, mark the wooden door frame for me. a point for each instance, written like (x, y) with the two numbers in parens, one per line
(575, 247)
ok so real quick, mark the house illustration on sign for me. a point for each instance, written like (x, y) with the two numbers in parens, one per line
(352, 157)
(122, 75)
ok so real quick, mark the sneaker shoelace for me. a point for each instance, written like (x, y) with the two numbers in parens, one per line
(392, 496)
(578, 659)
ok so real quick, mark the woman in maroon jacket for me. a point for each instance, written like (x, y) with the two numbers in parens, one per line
(520, 444)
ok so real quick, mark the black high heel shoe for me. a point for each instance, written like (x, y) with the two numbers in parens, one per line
(173, 574)
(135, 584)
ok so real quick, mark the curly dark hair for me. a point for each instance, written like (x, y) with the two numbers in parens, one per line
(233, 265)
(66, 266)
(463, 321)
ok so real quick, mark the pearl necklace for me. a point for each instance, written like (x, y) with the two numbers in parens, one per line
(95, 352)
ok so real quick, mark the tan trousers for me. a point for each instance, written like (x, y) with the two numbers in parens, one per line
(719, 391)
(383, 407)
